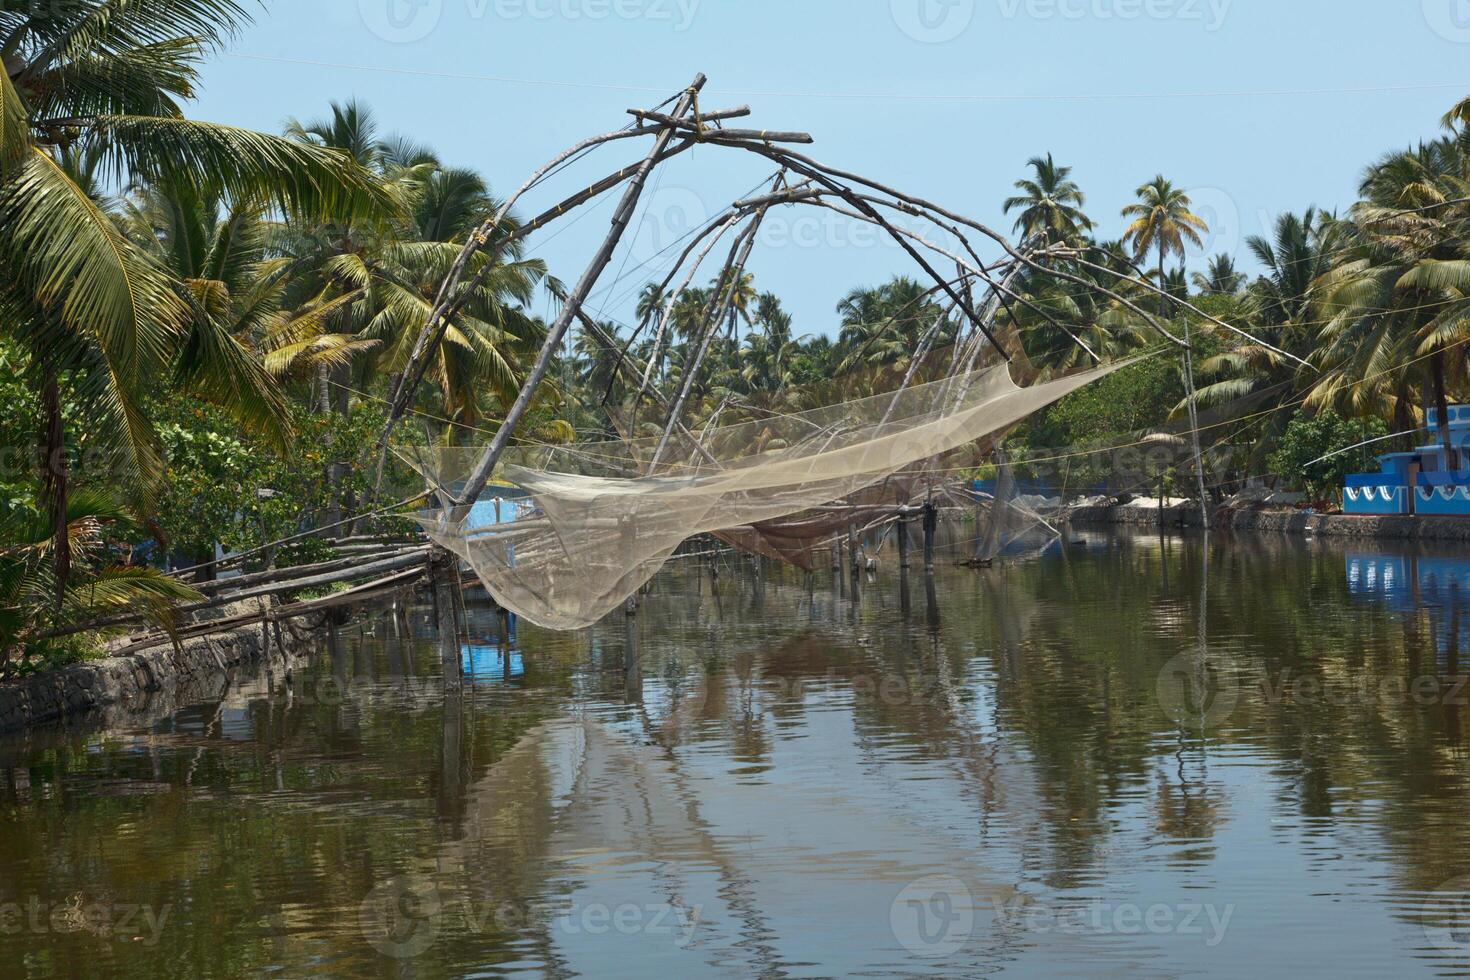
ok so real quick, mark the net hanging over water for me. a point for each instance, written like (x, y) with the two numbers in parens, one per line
(601, 520)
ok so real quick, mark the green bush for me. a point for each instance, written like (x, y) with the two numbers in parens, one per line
(1310, 437)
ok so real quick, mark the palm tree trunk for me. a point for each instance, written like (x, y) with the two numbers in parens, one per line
(1402, 421)
(55, 478)
(1163, 299)
(1442, 408)
(324, 389)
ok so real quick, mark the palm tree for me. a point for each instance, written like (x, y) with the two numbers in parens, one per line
(1404, 279)
(1162, 222)
(1301, 250)
(770, 352)
(886, 326)
(218, 256)
(1106, 327)
(105, 79)
(29, 589)
(372, 279)
(1051, 204)
(742, 293)
(1222, 279)
(1254, 378)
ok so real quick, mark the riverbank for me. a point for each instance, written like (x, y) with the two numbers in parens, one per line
(1388, 527)
(118, 690)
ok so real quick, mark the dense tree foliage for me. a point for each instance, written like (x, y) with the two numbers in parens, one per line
(199, 324)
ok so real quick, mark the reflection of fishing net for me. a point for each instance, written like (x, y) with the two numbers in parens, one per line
(599, 527)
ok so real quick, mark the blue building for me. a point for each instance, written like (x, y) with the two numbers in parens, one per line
(1427, 481)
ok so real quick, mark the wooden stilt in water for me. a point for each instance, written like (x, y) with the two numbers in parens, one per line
(630, 537)
(903, 542)
(931, 526)
(632, 664)
(444, 576)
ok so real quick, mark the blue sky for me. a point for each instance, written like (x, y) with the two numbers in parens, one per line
(1256, 106)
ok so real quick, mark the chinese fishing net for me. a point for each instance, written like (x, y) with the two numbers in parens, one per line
(575, 530)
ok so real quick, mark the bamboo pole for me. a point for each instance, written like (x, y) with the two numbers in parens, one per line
(362, 593)
(399, 393)
(297, 571)
(801, 163)
(714, 314)
(480, 475)
(931, 525)
(277, 585)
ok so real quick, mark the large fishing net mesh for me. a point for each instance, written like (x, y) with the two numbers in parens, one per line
(601, 519)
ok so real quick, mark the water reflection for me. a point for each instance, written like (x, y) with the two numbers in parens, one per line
(762, 772)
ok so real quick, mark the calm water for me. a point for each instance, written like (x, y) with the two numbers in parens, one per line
(1133, 756)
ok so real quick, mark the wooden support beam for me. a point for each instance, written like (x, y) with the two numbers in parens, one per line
(717, 115)
(483, 469)
(931, 527)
